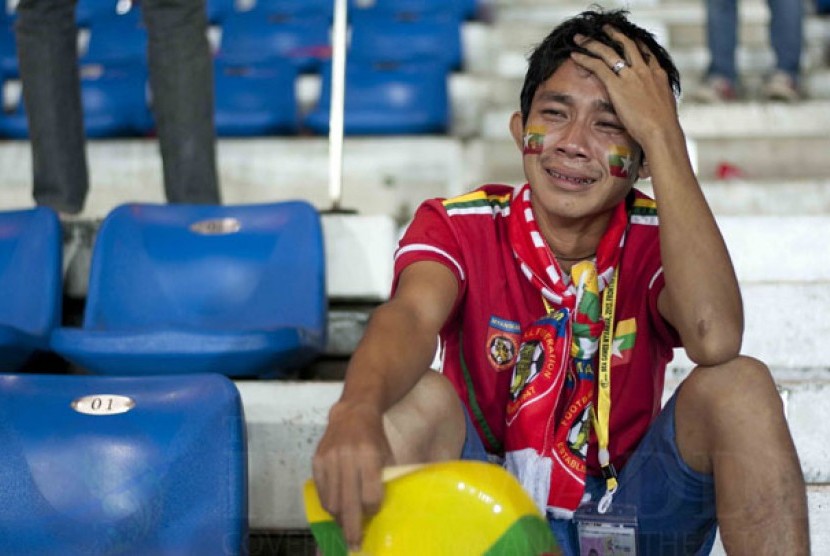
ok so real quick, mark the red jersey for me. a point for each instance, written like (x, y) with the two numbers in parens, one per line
(469, 235)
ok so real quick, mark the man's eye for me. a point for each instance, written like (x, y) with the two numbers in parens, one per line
(614, 126)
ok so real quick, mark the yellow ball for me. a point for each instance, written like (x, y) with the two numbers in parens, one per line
(452, 508)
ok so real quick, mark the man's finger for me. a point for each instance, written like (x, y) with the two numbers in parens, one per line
(632, 51)
(371, 485)
(350, 515)
(599, 67)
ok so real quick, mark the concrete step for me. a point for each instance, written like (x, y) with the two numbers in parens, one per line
(381, 175)
(285, 421)
(785, 325)
(764, 197)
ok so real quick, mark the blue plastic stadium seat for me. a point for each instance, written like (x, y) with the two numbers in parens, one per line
(238, 290)
(30, 279)
(117, 39)
(87, 11)
(462, 9)
(8, 48)
(254, 37)
(82, 476)
(255, 99)
(114, 101)
(218, 10)
(296, 8)
(388, 100)
(381, 37)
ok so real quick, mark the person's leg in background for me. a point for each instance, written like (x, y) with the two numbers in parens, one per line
(721, 78)
(47, 48)
(181, 80)
(786, 35)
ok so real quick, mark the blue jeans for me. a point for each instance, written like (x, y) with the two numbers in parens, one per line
(675, 504)
(785, 31)
(181, 79)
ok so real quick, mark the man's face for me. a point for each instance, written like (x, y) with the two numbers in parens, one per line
(579, 160)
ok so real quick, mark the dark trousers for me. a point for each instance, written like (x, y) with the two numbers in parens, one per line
(181, 81)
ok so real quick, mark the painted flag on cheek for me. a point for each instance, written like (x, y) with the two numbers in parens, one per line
(619, 158)
(534, 140)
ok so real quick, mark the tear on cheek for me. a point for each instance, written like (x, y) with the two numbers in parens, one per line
(534, 140)
(619, 160)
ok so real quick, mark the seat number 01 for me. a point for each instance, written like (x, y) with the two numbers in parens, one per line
(103, 404)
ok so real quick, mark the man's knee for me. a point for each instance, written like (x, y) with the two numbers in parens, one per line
(744, 383)
(719, 406)
(428, 424)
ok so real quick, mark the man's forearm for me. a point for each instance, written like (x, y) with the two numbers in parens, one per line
(703, 298)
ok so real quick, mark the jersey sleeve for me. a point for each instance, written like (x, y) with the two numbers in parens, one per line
(665, 331)
(431, 237)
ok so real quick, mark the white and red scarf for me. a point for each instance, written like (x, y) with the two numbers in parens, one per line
(548, 414)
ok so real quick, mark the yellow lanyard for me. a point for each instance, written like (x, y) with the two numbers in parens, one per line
(602, 413)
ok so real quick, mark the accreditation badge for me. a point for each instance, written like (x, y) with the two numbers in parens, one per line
(605, 534)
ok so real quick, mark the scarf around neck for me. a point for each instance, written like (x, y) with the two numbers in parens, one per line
(551, 392)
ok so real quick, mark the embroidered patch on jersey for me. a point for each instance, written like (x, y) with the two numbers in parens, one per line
(502, 342)
(534, 139)
(619, 158)
(623, 344)
(478, 202)
(644, 211)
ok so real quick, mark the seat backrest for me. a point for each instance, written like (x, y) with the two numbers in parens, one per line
(243, 267)
(461, 9)
(8, 49)
(218, 10)
(87, 11)
(295, 8)
(388, 99)
(122, 465)
(254, 36)
(382, 37)
(117, 39)
(115, 103)
(115, 100)
(255, 99)
(30, 270)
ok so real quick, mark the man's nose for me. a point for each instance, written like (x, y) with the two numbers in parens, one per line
(573, 140)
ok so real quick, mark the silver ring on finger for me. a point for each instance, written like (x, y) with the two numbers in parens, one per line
(618, 66)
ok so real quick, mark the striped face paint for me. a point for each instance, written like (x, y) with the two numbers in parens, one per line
(619, 158)
(534, 140)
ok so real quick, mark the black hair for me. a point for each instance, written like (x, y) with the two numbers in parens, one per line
(556, 48)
